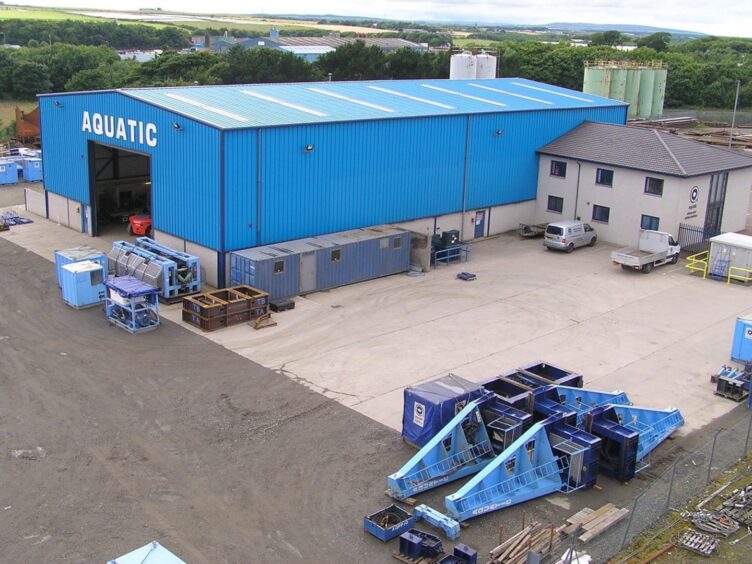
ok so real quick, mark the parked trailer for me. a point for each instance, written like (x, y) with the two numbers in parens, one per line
(655, 248)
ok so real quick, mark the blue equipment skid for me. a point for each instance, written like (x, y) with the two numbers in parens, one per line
(464, 446)
(582, 400)
(450, 527)
(186, 279)
(533, 466)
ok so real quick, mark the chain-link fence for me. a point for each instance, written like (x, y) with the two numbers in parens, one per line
(679, 483)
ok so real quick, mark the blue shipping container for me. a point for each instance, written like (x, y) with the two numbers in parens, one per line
(741, 350)
(317, 263)
(8, 173)
(83, 284)
(78, 254)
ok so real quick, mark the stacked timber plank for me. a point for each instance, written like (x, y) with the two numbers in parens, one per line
(536, 538)
(594, 522)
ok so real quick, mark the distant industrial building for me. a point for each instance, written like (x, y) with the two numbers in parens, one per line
(623, 179)
(309, 48)
(226, 168)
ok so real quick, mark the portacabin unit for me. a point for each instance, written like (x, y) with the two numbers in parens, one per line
(741, 349)
(8, 172)
(83, 284)
(78, 254)
(32, 170)
(318, 263)
(731, 257)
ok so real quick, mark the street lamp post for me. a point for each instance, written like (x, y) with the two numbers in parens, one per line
(733, 118)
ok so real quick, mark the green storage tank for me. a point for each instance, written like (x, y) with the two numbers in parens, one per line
(597, 81)
(659, 92)
(618, 83)
(632, 91)
(645, 103)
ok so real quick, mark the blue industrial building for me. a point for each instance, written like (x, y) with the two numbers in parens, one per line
(223, 168)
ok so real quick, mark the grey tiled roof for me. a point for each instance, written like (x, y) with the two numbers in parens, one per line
(643, 149)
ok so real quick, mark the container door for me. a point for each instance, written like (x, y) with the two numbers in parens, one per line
(480, 224)
(307, 272)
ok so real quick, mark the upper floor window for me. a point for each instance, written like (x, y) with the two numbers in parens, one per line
(604, 177)
(559, 168)
(654, 186)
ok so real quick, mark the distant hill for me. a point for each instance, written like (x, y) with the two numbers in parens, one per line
(623, 28)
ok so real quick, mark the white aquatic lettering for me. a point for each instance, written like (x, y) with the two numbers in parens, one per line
(114, 127)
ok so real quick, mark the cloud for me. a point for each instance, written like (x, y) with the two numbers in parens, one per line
(723, 17)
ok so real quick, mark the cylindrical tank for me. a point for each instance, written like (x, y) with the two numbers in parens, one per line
(462, 67)
(659, 92)
(597, 81)
(618, 86)
(485, 66)
(645, 103)
(632, 91)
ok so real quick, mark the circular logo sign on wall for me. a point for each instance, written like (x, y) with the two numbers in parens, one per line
(694, 194)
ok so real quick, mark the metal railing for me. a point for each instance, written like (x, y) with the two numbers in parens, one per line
(698, 263)
(694, 238)
(744, 276)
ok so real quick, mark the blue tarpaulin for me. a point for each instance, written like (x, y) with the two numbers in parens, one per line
(430, 406)
(130, 286)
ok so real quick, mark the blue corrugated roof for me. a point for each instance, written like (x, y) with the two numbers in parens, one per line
(268, 105)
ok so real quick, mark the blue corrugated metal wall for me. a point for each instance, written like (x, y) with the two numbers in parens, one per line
(363, 260)
(185, 163)
(503, 168)
(368, 173)
(241, 160)
(358, 174)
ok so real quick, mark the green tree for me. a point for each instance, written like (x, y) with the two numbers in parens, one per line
(114, 75)
(261, 65)
(353, 61)
(63, 61)
(30, 79)
(175, 68)
(610, 38)
(7, 63)
(658, 41)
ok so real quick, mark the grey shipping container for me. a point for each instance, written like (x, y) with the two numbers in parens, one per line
(317, 263)
(731, 250)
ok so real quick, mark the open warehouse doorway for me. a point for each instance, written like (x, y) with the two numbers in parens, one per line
(120, 191)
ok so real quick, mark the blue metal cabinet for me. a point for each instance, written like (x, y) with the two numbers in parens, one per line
(78, 254)
(741, 350)
(83, 284)
(8, 172)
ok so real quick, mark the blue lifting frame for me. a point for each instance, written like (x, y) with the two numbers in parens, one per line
(583, 400)
(549, 457)
(463, 447)
(653, 425)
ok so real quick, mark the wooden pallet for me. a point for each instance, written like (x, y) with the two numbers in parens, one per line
(600, 521)
(536, 538)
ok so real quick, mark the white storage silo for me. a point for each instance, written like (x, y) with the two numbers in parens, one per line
(462, 66)
(485, 66)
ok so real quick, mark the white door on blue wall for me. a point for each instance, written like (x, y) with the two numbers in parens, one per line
(307, 272)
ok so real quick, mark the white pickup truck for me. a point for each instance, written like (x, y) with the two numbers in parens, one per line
(655, 248)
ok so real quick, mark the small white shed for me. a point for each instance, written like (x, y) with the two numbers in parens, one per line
(731, 252)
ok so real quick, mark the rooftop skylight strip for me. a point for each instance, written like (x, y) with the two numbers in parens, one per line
(476, 98)
(408, 96)
(283, 103)
(554, 93)
(511, 94)
(206, 107)
(352, 100)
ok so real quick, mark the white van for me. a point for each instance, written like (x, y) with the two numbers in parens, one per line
(567, 235)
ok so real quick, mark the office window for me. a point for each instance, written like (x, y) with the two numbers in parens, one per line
(397, 243)
(336, 255)
(384, 243)
(279, 267)
(604, 177)
(654, 186)
(555, 204)
(650, 222)
(559, 168)
(601, 213)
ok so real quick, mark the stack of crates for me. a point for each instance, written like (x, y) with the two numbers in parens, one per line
(224, 308)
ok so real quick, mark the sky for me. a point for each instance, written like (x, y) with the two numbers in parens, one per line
(722, 17)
